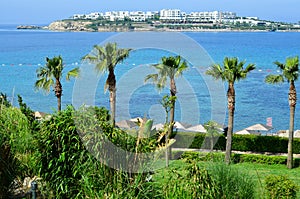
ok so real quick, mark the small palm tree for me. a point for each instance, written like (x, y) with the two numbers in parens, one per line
(290, 73)
(231, 72)
(213, 129)
(170, 68)
(50, 76)
(106, 59)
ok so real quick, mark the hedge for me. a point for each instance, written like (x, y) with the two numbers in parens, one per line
(238, 158)
(254, 143)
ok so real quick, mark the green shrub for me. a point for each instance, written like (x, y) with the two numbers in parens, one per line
(279, 186)
(75, 149)
(230, 182)
(196, 182)
(218, 180)
(255, 143)
(262, 159)
(16, 149)
(197, 141)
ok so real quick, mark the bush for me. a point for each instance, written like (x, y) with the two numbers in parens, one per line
(197, 141)
(237, 158)
(230, 182)
(216, 181)
(16, 149)
(75, 149)
(255, 143)
(279, 186)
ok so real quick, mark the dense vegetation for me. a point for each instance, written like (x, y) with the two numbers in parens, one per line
(64, 156)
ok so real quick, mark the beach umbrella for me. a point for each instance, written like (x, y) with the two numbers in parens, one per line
(136, 119)
(126, 124)
(297, 134)
(243, 132)
(259, 127)
(179, 126)
(159, 126)
(198, 128)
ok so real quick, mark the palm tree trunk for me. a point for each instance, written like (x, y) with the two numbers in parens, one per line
(112, 102)
(58, 93)
(172, 113)
(292, 103)
(59, 103)
(231, 107)
(111, 81)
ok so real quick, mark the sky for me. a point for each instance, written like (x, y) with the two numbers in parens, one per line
(45, 11)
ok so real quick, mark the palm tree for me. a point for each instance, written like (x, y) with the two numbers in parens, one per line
(290, 73)
(106, 59)
(231, 72)
(212, 129)
(50, 76)
(170, 68)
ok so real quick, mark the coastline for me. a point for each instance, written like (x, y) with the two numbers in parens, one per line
(62, 26)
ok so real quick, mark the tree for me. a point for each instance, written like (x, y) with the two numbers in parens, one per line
(212, 129)
(231, 72)
(50, 76)
(167, 102)
(170, 68)
(290, 73)
(106, 59)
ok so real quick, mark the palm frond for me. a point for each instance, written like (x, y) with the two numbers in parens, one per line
(44, 84)
(279, 65)
(215, 71)
(152, 77)
(73, 73)
(290, 69)
(274, 79)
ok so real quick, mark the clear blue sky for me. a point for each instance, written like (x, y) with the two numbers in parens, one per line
(46, 11)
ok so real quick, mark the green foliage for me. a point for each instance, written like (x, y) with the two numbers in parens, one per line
(254, 143)
(4, 101)
(169, 68)
(237, 158)
(232, 70)
(75, 149)
(16, 148)
(230, 182)
(28, 113)
(195, 182)
(218, 180)
(279, 187)
(61, 151)
(199, 140)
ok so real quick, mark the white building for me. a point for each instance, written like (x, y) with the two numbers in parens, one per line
(137, 16)
(228, 15)
(116, 15)
(171, 15)
(78, 16)
(94, 15)
(212, 17)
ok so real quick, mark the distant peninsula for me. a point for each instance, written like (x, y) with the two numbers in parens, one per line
(164, 20)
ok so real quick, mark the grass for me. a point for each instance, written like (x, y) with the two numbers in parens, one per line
(257, 171)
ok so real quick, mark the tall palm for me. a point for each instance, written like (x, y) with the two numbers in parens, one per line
(290, 73)
(231, 72)
(50, 76)
(170, 68)
(106, 59)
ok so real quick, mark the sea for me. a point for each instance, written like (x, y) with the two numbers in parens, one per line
(199, 100)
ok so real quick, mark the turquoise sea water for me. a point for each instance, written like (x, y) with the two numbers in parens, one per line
(23, 51)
